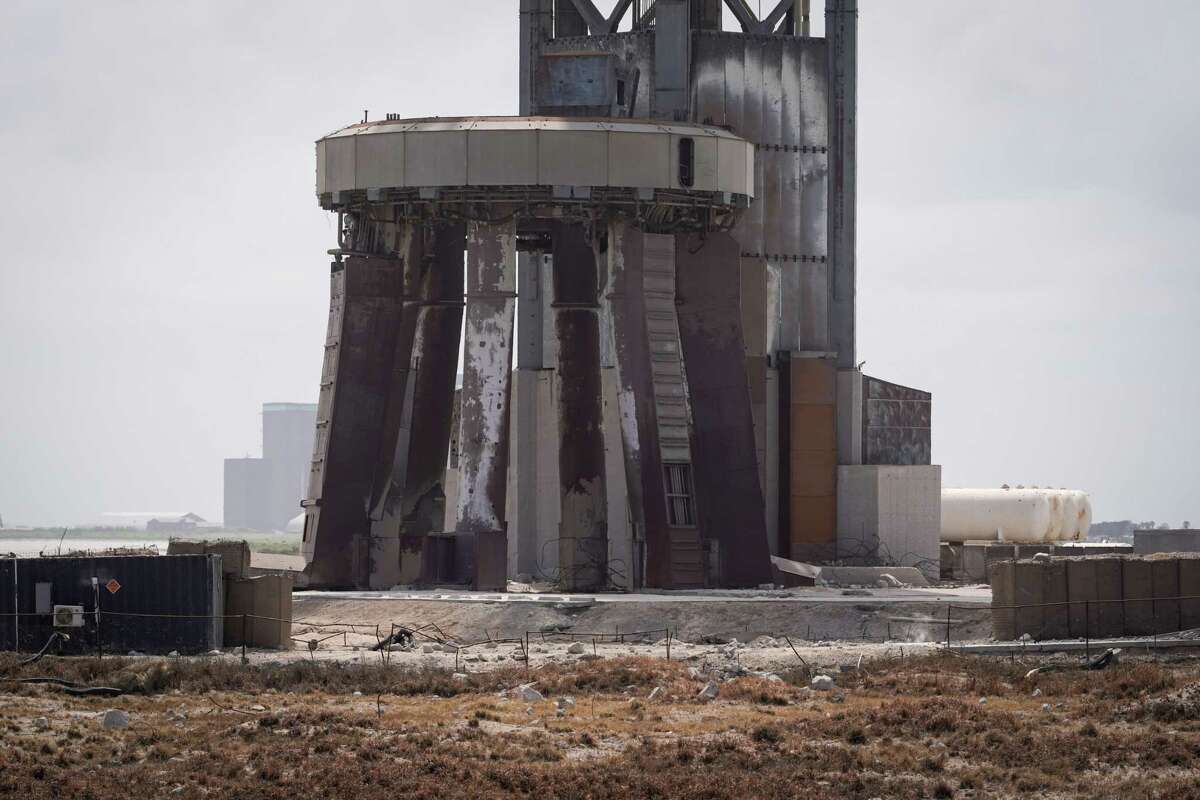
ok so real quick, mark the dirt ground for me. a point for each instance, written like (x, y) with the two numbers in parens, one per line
(931, 726)
(862, 619)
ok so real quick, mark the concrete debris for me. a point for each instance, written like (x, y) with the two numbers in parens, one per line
(589, 657)
(1037, 692)
(429, 648)
(258, 708)
(888, 581)
(41, 724)
(822, 683)
(565, 702)
(215, 653)
(1046, 707)
(983, 701)
(459, 676)
(528, 694)
(710, 691)
(576, 649)
(173, 654)
(358, 694)
(114, 720)
(764, 642)
(655, 692)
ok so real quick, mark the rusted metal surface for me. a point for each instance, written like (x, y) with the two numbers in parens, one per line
(842, 35)
(364, 318)
(487, 379)
(896, 423)
(728, 490)
(812, 432)
(583, 529)
(390, 469)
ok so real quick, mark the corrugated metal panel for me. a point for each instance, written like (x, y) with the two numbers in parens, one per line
(183, 593)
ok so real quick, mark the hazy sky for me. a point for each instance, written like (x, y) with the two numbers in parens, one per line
(1028, 230)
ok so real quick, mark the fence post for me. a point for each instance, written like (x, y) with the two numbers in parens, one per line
(1087, 628)
(668, 644)
(948, 626)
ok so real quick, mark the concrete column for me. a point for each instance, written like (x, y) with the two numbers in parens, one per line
(487, 370)
(583, 529)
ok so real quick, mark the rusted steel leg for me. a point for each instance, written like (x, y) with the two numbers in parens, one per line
(364, 320)
(435, 366)
(727, 481)
(583, 530)
(408, 501)
(487, 377)
(623, 326)
(655, 419)
(391, 468)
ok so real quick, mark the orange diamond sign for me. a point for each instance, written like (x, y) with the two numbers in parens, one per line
(113, 586)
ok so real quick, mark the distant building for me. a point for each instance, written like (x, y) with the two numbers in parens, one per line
(265, 493)
(186, 522)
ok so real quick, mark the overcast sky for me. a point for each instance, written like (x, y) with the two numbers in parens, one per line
(1028, 230)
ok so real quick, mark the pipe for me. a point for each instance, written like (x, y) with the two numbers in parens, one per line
(16, 610)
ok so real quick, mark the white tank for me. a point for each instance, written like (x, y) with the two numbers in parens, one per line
(1021, 516)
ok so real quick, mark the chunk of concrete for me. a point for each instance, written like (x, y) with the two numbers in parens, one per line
(526, 693)
(710, 691)
(114, 720)
(822, 683)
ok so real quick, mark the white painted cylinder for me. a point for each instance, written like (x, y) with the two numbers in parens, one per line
(1020, 516)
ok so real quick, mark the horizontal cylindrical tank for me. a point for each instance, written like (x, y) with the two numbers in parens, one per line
(1021, 516)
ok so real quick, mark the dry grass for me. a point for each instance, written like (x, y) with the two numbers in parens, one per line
(912, 729)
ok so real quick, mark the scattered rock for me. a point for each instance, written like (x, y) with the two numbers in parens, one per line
(576, 649)
(490, 646)
(656, 692)
(888, 581)
(1046, 707)
(459, 676)
(589, 657)
(529, 694)
(983, 701)
(257, 707)
(710, 691)
(566, 702)
(822, 683)
(173, 654)
(114, 720)
(41, 724)
(215, 653)
(1037, 692)
(358, 694)
(428, 648)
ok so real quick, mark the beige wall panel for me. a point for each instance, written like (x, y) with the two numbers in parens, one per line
(502, 158)
(573, 158)
(640, 159)
(436, 159)
(339, 163)
(379, 162)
